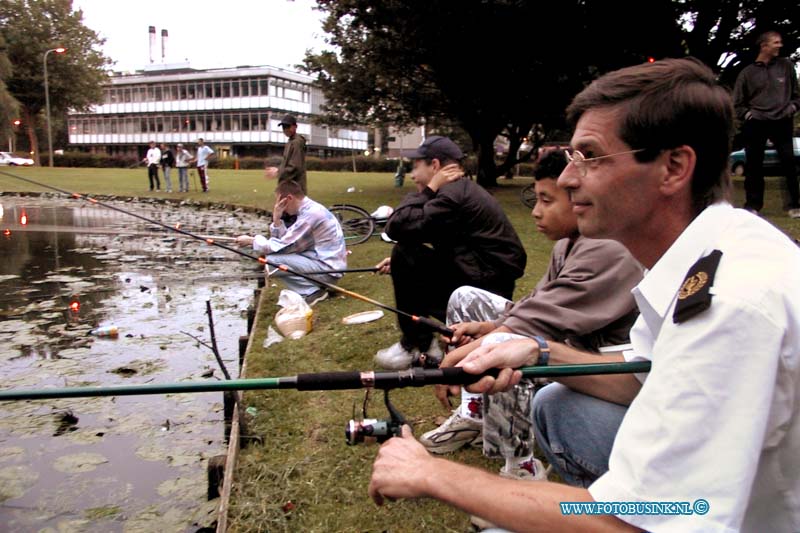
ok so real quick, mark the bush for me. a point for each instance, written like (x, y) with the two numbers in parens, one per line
(84, 159)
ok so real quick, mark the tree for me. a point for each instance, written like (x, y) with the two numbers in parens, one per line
(510, 67)
(495, 67)
(9, 108)
(30, 28)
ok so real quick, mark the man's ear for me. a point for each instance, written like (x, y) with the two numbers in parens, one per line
(679, 164)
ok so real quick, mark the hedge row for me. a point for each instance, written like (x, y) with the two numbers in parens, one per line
(333, 164)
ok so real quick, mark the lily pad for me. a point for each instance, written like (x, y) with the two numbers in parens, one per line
(79, 462)
(16, 481)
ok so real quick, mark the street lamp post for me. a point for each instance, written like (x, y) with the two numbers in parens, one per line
(16, 124)
(58, 50)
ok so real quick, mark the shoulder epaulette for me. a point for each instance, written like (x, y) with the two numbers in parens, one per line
(694, 296)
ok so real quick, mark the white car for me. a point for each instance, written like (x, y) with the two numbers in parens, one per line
(10, 159)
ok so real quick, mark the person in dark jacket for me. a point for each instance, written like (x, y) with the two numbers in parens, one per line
(766, 97)
(293, 165)
(449, 233)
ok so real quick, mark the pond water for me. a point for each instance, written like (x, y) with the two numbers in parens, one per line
(131, 463)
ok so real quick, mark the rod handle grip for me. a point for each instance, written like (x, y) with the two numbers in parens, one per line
(435, 326)
(329, 381)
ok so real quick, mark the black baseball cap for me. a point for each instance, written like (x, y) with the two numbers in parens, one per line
(437, 147)
(287, 120)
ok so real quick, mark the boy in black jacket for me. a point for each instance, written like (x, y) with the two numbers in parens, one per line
(450, 233)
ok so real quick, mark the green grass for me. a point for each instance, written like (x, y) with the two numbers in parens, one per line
(304, 459)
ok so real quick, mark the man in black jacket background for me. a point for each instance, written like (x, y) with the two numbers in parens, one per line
(766, 97)
(449, 233)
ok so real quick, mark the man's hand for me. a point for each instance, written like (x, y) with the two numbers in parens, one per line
(466, 332)
(400, 470)
(244, 240)
(506, 355)
(385, 266)
(446, 174)
(278, 209)
(271, 173)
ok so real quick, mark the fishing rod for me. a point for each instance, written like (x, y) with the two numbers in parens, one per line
(432, 324)
(257, 275)
(102, 231)
(414, 377)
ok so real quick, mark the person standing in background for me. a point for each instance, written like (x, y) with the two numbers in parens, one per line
(293, 166)
(204, 153)
(766, 97)
(167, 162)
(152, 159)
(182, 158)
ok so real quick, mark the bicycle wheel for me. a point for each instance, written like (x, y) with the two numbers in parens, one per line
(357, 224)
(528, 196)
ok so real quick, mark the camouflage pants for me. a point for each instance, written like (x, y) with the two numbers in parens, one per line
(507, 416)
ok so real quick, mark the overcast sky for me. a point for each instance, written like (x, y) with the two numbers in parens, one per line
(209, 34)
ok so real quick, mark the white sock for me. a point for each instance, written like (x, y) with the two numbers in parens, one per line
(471, 405)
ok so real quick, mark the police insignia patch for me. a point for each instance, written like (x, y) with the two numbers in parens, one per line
(694, 295)
(692, 285)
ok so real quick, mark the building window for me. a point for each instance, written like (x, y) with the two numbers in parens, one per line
(235, 88)
(263, 83)
(158, 93)
(226, 89)
(226, 122)
(245, 88)
(245, 121)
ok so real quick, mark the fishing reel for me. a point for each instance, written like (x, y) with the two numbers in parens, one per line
(371, 429)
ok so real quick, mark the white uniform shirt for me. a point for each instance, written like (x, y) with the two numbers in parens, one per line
(202, 155)
(718, 417)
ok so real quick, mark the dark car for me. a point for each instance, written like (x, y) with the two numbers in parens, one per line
(771, 161)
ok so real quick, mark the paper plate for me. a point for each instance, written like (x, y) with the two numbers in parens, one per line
(360, 318)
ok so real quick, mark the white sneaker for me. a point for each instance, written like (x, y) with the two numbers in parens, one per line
(794, 213)
(532, 470)
(395, 357)
(456, 432)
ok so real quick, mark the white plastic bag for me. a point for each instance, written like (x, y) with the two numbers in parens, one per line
(295, 318)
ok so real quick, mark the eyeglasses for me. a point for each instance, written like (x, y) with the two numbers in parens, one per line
(580, 161)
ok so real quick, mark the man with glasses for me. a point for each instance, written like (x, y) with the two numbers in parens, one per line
(715, 425)
(293, 166)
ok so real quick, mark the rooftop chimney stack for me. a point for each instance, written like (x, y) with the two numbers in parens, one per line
(152, 31)
(164, 36)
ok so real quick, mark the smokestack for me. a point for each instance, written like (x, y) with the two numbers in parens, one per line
(164, 35)
(152, 31)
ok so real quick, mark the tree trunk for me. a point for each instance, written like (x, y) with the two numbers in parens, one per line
(30, 129)
(487, 170)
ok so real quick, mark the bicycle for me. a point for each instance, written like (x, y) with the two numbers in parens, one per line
(528, 195)
(357, 224)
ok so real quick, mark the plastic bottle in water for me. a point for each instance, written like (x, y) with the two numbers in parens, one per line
(105, 331)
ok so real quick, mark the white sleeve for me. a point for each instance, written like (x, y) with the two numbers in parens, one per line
(261, 245)
(697, 427)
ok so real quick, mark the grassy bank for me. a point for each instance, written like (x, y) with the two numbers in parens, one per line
(303, 477)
